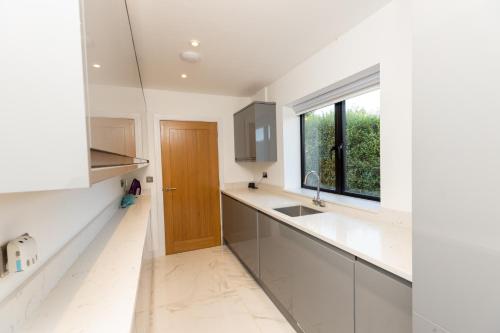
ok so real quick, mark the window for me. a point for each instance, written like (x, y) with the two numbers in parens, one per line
(341, 141)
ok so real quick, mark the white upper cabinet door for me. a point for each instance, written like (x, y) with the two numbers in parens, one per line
(43, 128)
(61, 63)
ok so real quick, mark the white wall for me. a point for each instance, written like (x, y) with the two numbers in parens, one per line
(385, 38)
(164, 105)
(456, 163)
(52, 218)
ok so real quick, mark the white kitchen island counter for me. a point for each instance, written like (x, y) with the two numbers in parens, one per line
(98, 293)
(383, 244)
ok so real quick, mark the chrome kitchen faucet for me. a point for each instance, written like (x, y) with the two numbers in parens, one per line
(316, 200)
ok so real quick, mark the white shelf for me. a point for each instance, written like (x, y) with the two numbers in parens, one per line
(98, 293)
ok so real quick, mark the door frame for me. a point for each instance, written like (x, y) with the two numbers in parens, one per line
(157, 193)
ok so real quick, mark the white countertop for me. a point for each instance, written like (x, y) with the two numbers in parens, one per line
(98, 292)
(386, 245)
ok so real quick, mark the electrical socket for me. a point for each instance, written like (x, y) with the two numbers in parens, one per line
(264, 174)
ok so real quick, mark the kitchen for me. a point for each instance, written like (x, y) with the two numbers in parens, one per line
(289, 167)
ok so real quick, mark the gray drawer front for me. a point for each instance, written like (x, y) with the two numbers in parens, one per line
(323, 287)
(314, 282)
(383, 301)
(240, 232)
(276, 259)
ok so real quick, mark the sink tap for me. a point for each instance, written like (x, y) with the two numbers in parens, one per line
(316, 200)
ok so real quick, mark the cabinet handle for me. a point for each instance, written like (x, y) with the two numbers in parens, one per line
(168, 189)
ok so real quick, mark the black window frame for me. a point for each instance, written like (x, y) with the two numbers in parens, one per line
(338, 149)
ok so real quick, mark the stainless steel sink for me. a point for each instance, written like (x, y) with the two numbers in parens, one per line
(295, 211)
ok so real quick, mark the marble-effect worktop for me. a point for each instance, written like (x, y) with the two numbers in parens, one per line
(384, 244)
(98, 293)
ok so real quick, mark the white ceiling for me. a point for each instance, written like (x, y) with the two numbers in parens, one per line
(245, 44)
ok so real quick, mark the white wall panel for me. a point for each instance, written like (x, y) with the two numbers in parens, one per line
(456, 165)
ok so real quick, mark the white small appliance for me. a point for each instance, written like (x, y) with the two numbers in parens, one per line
(22, 253)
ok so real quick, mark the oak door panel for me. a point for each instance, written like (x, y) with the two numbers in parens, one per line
(191, 185)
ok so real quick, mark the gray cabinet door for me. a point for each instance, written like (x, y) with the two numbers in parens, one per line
(240, 232)
(244, 134)
(315, 283)
(323, 287)
(255, 133)
(265, 132)
(383, 301)
(240, 141)
(276, 259)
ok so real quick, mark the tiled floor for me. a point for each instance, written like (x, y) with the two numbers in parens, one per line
(209, 291)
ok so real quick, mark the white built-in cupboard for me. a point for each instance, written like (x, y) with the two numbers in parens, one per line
(65, 65)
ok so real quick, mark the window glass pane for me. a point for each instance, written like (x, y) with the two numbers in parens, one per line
(362, 146)
(319, 138)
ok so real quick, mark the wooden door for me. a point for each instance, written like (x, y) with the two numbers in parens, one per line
(191, 198)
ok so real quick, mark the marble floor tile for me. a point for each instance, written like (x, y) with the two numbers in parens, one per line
(209, 291)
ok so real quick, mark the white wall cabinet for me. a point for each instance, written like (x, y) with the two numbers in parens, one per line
(62, 63)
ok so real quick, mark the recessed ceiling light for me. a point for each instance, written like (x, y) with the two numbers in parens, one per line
(96, 66)
(195, 43)
(184, 76)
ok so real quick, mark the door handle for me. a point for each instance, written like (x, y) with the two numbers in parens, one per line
(169, 189)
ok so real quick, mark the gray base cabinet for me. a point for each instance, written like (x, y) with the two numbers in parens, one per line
(314, 282)
(276, 259)
(383, 301)
(240, 232)
(319, 288)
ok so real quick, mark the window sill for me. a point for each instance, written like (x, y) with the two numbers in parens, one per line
(343, 200)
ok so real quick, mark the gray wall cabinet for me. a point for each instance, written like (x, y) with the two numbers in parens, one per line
(240, 232)
(314, 282)
(383, 301)
(255, 133)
